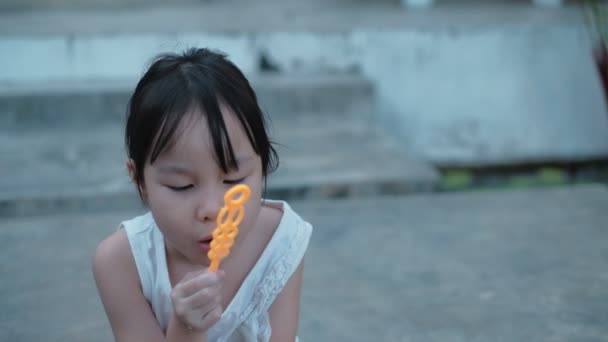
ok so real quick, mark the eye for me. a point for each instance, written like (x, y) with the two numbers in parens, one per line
(233, 182)
(180, 188)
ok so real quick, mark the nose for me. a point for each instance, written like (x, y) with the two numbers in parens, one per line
(209, 205)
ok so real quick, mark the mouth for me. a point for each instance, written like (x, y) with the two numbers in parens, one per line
(204, 244)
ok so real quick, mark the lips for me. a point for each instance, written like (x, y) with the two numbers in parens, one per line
(204, 244)
(206, 239)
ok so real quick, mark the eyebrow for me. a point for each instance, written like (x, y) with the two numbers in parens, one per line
(171, 168)
(179, 169)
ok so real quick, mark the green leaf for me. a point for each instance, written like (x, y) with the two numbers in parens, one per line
(522, 182)
(457, 179)
(552, 176)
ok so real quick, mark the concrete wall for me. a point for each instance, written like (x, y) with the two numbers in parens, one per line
(475, 97)
(480, 95)
(76, 4)
(105, 56)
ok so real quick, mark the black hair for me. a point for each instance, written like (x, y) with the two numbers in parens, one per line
(177, 83)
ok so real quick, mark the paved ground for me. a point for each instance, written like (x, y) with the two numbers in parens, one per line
(486, 266)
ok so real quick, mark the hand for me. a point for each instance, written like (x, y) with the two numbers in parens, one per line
(197, 299)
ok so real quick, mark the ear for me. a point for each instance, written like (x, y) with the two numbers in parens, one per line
(131, 170)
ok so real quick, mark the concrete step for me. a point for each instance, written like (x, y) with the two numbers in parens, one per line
(82, 169)
(471, 83)
(26, 105)
(480, 266)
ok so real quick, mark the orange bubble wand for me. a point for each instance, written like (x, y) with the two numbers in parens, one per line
(228, 220)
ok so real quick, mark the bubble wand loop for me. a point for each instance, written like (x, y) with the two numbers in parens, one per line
(228, 220)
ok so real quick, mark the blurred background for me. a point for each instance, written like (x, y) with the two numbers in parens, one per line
(452, 156)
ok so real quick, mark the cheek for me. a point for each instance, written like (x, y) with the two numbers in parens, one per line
(169, 216)
(158, 197)
(166, 204)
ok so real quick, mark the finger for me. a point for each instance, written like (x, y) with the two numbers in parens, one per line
(203, 280)
(195, 317)
(212, 294)
(185, 287)
(191, 275)
(212, 317)
(197, 305)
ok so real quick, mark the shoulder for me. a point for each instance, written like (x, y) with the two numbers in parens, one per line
(280, 213)
(270, 218)
(113, 246)
(286, 231)
(265, 228)
(113, 258)
(287, 246)
(278, 220)
(120, 290)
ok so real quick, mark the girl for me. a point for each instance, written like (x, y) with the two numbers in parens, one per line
(194, 129)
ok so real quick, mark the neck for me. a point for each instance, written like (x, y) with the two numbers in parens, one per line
(178, 259)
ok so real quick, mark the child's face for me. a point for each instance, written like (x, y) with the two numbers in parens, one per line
(185, 186)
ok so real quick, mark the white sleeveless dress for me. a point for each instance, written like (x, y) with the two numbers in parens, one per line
(246, 317)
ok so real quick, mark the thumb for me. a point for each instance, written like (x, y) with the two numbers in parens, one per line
(219, 273)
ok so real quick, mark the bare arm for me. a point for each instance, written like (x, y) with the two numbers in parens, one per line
(284, 312)
(127, 309)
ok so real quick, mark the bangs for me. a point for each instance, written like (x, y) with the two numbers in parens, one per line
(181, 111)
